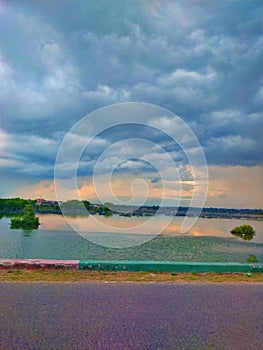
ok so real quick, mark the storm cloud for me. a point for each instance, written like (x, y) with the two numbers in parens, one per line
(62, 60)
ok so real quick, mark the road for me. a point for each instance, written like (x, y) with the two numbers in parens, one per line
(119, 316)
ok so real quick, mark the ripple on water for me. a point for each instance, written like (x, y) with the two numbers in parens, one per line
(58, 244)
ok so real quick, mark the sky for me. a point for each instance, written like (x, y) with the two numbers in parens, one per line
(199, 60)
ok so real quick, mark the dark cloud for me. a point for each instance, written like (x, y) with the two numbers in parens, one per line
(61, 60)
(155, 180)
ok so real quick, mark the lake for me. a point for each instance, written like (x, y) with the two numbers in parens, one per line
(207, 240)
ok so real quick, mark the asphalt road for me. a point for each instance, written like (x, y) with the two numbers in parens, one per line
(119, 316)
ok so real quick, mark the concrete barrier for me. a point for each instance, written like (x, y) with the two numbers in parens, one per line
(130, 265)
(33, 264)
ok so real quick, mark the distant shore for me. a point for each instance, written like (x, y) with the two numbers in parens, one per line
(15, 206)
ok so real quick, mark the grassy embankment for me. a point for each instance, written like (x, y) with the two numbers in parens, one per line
(103, 276)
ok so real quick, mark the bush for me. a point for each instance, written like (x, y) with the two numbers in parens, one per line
(28, 221)
(245, 232)
(252, 259)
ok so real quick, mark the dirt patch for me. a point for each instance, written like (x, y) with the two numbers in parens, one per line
(108, 276)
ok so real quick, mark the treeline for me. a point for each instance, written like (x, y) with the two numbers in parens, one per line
(233, 211)
(79, 207)
(75, 205)
(14, 205)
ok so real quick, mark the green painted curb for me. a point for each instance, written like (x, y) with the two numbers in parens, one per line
(166, 266)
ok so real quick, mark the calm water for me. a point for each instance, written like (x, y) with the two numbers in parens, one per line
(208, 240)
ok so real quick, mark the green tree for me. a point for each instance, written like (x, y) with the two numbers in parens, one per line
(28, 221)
(107, 209)
(86, 204)
(72, 205)
(13, 205)
(245, 232)
(29, 211)
(252, 259)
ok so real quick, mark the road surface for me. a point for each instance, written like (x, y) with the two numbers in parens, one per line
(119, 316)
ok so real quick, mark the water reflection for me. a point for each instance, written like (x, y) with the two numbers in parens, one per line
(203, 227)
(208, 240)
(27, 233)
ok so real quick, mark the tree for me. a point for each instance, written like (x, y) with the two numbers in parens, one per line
(28, 221)
(245, 232)
(86, 204)
(252, 259)
(107, 211)
(74, 205)
(29, 211)
(13, 205)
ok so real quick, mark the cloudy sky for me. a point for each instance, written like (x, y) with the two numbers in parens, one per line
(201, 60)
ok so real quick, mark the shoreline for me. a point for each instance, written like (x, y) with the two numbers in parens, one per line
(221, 214)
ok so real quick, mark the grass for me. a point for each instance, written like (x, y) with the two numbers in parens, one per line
(110, 276)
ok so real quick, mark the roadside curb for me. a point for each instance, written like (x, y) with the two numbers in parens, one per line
(167, 266)
(34, 264)
(129, 265)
